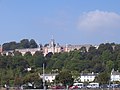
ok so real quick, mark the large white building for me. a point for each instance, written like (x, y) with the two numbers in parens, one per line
(115, 76)
(88, 77)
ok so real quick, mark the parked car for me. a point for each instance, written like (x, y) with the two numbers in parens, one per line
(74, 87)
(77, 85)
(57, 87)
(114, 86)
(93, 85)
(104, 86)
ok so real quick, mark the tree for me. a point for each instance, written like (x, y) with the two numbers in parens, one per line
(109, 66)
(103, 78)
(99, 67)
(103, 47)
(17, 53)
(75, 75)
(117, 47)
(49, 55)
(24, 43)
(6, 46)
(39, 59)
(83, 49)
(28, 54)
(65, 78)
(37, 53)
(58, 64)
(33, 44)
(18, 81)
(34, 79)
(106, 55)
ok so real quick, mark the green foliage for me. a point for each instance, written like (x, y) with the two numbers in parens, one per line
(101, 60)
(39, 60)
(33, 44)
(24, 43)
(65, 78)
(109, 65)
(103, 78)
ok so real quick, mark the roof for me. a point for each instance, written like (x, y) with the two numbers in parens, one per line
(113, 72)
(88, 74)
(49, 74)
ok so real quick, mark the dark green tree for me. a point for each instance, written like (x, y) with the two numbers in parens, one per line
(65, 78)
(24, 43)
(33, 44)
(103, 78)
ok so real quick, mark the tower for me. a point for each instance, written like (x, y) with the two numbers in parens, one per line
(52, 45)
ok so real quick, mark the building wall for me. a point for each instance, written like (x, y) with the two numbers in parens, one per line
(31, 50)
(49, 77)
(87, 78)
(115, 77)
(52, 47)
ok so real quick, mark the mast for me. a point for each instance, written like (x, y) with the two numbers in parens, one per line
(44, 78)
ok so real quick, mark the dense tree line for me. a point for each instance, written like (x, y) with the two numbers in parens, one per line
(99, 60)
(24, 43)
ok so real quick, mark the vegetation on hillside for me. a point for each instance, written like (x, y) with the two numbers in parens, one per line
(101, 60)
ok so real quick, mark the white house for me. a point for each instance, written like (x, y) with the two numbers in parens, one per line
(49, 77)
(115, 76)
(87, 77)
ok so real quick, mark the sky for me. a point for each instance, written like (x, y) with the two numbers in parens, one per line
(68, 21)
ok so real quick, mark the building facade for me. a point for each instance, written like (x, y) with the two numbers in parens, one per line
(88, 77)
(115, 76)
(49, 77)
(31, 50)
(51, 47)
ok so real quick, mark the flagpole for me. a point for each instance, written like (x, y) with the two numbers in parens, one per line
(44, 78)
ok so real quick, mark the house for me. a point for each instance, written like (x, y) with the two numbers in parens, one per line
(88, 77)
(115, 75)
(49, 77)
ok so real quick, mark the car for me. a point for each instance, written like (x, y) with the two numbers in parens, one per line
(58, 87)
(77, 86)
(93, 85)
(104, 86)
(74, 87)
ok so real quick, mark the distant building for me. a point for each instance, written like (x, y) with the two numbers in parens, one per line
(51, 47)
(9, 52)
(70, 47)
(88, 77)
(56, 48)
(31, 50)
(115, 75)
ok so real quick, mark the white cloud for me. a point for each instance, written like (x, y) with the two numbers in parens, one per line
(99, 21)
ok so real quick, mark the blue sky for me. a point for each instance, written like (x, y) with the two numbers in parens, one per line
(69, 21)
